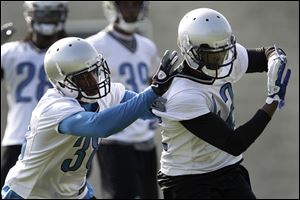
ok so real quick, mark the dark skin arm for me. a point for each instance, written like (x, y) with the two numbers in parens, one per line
(270, 108)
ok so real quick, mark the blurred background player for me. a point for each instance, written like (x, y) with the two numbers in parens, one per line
(202, 148)
(128, 160)
(23, 71)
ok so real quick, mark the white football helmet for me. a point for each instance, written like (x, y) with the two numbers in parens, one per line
(75, 68)
(206, 41)
(113, 14)
(46, 17)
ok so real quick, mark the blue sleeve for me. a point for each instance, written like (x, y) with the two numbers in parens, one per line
(130, 94)
(110, 120)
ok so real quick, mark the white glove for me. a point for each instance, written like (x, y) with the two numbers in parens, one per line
(276, 89)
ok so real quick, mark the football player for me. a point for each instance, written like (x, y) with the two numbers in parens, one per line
(23, 72)
(202, 148)
(132, 59)
(70, 119)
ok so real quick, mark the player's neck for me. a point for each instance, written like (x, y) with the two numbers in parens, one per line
(121, 33)
(42, 42)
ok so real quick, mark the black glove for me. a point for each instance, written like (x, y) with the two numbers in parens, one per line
(167, 70)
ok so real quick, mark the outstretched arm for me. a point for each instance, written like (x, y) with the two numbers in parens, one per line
(130, 94)
(108, 121)
(116, 118)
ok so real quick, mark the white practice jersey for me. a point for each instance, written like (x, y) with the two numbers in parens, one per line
(54, 165)
(133, 69)
(184, 153)
(23, 66)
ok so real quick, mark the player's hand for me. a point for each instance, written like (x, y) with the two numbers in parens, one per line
(167, 70)
(277, 88)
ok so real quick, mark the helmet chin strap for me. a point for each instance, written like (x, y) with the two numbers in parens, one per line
(87, 100)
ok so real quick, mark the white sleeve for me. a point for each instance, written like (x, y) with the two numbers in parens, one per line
(240, 65)
(185, 105)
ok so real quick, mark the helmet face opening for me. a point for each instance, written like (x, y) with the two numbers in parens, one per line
(130, 10)
(128, 15)
(92, 82)
(212, 61)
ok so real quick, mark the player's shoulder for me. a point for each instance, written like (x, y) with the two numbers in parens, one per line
(53, 99)
(240, 48)
(12, 46)
(240, 65)
(98, 37)
(54, 107)
(147, 42)
(118, 90)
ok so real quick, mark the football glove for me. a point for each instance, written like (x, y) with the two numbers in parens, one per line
(167, 70)
(277, 88)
